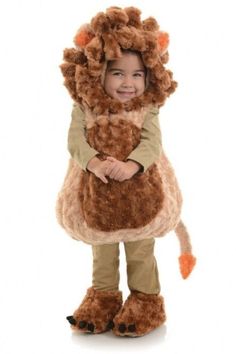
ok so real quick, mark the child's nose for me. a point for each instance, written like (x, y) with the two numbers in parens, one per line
(127, 82)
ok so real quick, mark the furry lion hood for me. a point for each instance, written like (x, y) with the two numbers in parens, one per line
(102, 40)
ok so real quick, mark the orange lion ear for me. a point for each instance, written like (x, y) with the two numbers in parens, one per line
(83, 36)
(162, 42)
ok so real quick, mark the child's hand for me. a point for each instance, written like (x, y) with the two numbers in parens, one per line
(119, 170)
(99, 168)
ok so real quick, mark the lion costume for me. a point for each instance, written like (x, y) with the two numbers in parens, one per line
(147, 205)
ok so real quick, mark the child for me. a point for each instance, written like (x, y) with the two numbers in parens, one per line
(125, 78)
(120, 186)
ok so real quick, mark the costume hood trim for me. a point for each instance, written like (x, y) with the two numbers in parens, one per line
(103, 39)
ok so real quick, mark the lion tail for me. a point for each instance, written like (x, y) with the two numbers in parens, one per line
(186, 260)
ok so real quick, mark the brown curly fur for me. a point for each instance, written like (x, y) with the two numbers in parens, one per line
(98, 308)
(143, 312)
(105, 137)
(114, 30)
(113, 206)
(130, 204)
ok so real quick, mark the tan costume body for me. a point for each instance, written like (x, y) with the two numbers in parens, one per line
(142, 273)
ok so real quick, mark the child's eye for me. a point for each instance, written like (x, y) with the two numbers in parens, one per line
(117, 73)
(138, 75)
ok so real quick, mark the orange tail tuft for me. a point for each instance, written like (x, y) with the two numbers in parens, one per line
(187, 262)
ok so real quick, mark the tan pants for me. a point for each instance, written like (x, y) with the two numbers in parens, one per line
(142, 270)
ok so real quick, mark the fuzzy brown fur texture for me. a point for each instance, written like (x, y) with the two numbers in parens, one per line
(140, 314)
(96, 312)
(131, 204)
(108, 33)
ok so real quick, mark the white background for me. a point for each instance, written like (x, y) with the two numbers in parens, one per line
(44, 273)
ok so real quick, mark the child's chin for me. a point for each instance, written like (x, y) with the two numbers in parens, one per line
(124, 99)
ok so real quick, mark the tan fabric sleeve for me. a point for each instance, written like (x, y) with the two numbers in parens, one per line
(78, 147)
(150, 146)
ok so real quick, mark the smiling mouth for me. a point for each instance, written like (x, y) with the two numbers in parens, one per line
(125, 93)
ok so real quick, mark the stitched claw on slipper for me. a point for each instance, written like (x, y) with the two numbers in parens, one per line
(91, 327)
(110, 325)
(131, 328)
(82, 324)
(96, 312)
(71, 320)
(122, 328)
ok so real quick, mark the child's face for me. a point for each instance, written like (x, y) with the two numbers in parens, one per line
(125, 77)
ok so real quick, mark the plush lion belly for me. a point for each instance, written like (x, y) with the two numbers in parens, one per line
(147, 205)
(120, 205)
